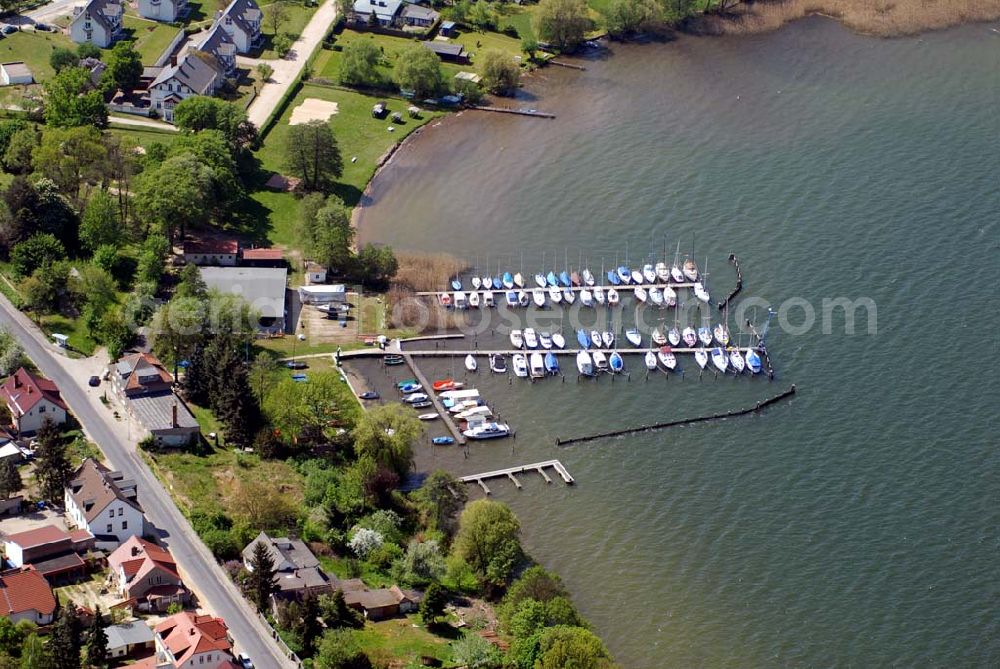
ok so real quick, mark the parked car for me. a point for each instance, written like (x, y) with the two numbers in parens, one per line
(94, 381)
(9, 29)
(245, 661)
(44, 27)
(369, 395)
(296, 364)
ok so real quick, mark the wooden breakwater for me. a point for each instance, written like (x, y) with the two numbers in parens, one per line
(676, 423)
(568, 65)
(739, 281)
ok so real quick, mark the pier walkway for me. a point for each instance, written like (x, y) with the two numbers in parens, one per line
(445, 415)
(511, 471)
(628, 288)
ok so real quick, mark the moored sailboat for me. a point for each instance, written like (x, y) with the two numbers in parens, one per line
(584, 363)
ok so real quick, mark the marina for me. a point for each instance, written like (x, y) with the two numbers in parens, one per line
(510, 472)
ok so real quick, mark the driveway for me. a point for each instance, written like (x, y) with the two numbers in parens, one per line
(117, 440)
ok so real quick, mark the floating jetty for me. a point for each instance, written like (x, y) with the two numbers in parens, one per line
(445, 415)
(511, 471)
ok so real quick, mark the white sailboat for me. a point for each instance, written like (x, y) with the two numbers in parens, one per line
(488, 300)
(530, 338)
(538, 297)
(488, 283)
(608, 339)
(753, 361)
(658, 337)
(689, 336)
(721, 334)
(634, 337)
(649, 274)
(705, 336)
(588, 278)
(555, 295)
(701, 293)
(640, 293)
(637, 276)
(612, 296)
(719, 359)
(662, 272)
(470, 363)
(667, 358)
(650, 360)
(558, 340)
(474, 300)
(701, 357)
(520, 365)
(656, 296)
(674, 336)
(516, 338)
(540, 280)
(476, 282)
(519, 280)
(568, 296)
(522, 298)
(545, 340)
(737, 361)
(584, 364)
(599, 294)
(595, 338)
(586, 297)
(690, 270)
(669, 296)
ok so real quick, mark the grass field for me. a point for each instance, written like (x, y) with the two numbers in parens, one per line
(402, 638)
(151, 37)
(34, 49)
(144, 137)
(75, 328)
(298, 16)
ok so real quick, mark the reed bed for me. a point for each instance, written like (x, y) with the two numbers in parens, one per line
(882, 18)
(422, 272)
(427, 271)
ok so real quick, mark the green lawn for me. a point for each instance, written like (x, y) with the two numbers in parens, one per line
(75, 328)
(403, 638)
(151, 37)
(519, 17)
(297, 16)
(34, 49)
(144, 137)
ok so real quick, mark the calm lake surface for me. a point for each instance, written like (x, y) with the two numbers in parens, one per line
(856, 525)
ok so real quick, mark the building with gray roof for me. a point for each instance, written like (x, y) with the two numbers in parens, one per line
(263, 288)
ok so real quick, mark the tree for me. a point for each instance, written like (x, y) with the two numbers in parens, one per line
(71, 101)
(433, 604)
(88, 50)
(11, 353)
(565, 647)
(365, 541)
(260, 583)
(386, 435)
(173, 195)
(65, 640)
(264, 71)
(10, 478)
(359, 64)
(481, 16)
(312, 154)
(624, 17)
(124, 67)
(282, 45)
(311, 627)
(61, 58)
(501, 74)
(336, 613)
(211, 150)
(11, 636)
(35, 654)
(443, 496)
(200, 112)
(71, 158)
(333, 238)
(277, 14)
(20, 146)
(534, 584)
(43, 290)
(191, 283)
(340, 650)
(37, 251)
(101, 223)
(423, 562)
(8, 128)
(488, 540)
(529, 45)
(53, 469)
(475, 652)
(562, 22)
(307, 410)
(376, 265)
(44, 209)
(418, 69)
(97, 641)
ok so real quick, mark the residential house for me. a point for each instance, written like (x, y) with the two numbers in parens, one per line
(137, 374)
(104, 502)
(263, 288)
(381, 602)
(51, 551)
(26, 595)
(144, 573)
(9, 448)
(15, 72)
(144, 387)
(447, 51)
(418, 16)
(196, 73)
(164, 10)
(218, 43)
(379, 12)
(129, 638)
(31, 400)
(219, 252)
(98, 22)
(242, 20)
(298, 570)
(187, 640)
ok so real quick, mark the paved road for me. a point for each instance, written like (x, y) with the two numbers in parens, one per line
(287, 69)
(201, 573)
(48, 12)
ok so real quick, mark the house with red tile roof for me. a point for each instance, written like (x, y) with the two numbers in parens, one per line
(190, 640)
(269, 257)
(51, 551)
(222, 252)
(146, 573)
(104, 502)
(26, 595)
(31, 400)
(139, 374)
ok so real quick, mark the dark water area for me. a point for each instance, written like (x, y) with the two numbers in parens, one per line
(855, 525)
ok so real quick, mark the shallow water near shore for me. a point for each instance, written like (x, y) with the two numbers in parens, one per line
(853, 525)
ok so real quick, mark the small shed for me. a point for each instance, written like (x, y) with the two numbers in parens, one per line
(15, 72)
(447, 51)
(448, 29)
(315, 273)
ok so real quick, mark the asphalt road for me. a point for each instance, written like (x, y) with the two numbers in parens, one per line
(200, 571)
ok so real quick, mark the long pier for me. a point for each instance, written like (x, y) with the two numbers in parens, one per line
(445, 415)
(511, 471)
(510, 110)
(447, 353)
(626, 288)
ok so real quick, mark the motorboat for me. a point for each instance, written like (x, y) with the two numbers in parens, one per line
(522, 298)
(600, 361)
(511, 297)
(408, 388)
(487, 431)
(421, 405)
(649, 274)
(476, 282)
(574, 278)
(676, 274)
(721, 334)
(737, 361)
(588, 278)
(481, 411)
(586, 297)
(498, 365)
(520, 365)
(414, 398)
(368, 395)
(540, 280)
(719, 359)
(701, 293)
(536, 365)
(407, 382)
(558, 340)
(428, 416)
(674, 336)
(545, 340)
(555, 295)
(690, 337)
(616, 362)
(662, 272)
(634, 337)
(705, 336)
(551, 279)
(595, 339)
(487, 282)
(464, 405)
(752, 359)
(613, 278)
(460, 300)
(667, 358)
(519, 280)
(583, 338)
(612, 296)
(530, 338)
(458, 395)
(637, 277)
(456, 284)
(538, 297)
(669, 296)
(551, 363)
(658, 337)
(442, 441)
(508, 280)
(624, 274)
(584, 363)
(564, 279)
(599, 294)
(690, 270)
(640, 293)
(608, 339)
(488, 300)
(650, 360)
(446, 384)
(516, 339)
(701, 357)
(444, 299)
(474, 300)
(569, 297)
(655, 296)
(470, 363)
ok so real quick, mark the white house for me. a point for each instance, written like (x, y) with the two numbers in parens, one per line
(15, 72)
(31, 400)
(218, 43)
(104, 502)
(197, 73)
(98, 22)
(164, 10)
(242, 20)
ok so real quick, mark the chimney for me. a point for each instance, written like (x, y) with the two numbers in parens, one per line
(173, 418)
(135, 551)
(17, 380)
(173, 61)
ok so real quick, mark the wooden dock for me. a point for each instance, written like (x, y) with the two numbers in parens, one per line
(445, 415)
(625, 289)
(510, 110)
(511, 471)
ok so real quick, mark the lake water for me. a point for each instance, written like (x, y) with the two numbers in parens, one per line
(856, 524)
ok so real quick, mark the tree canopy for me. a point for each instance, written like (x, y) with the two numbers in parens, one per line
(124, 67)
(418, 69)
(312, 154)
(488, 540)
(501, 74)
(563, 23)
(71, 100)
(359, 64)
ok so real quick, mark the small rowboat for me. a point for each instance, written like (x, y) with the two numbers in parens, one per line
(428, 416)
(443, 441)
